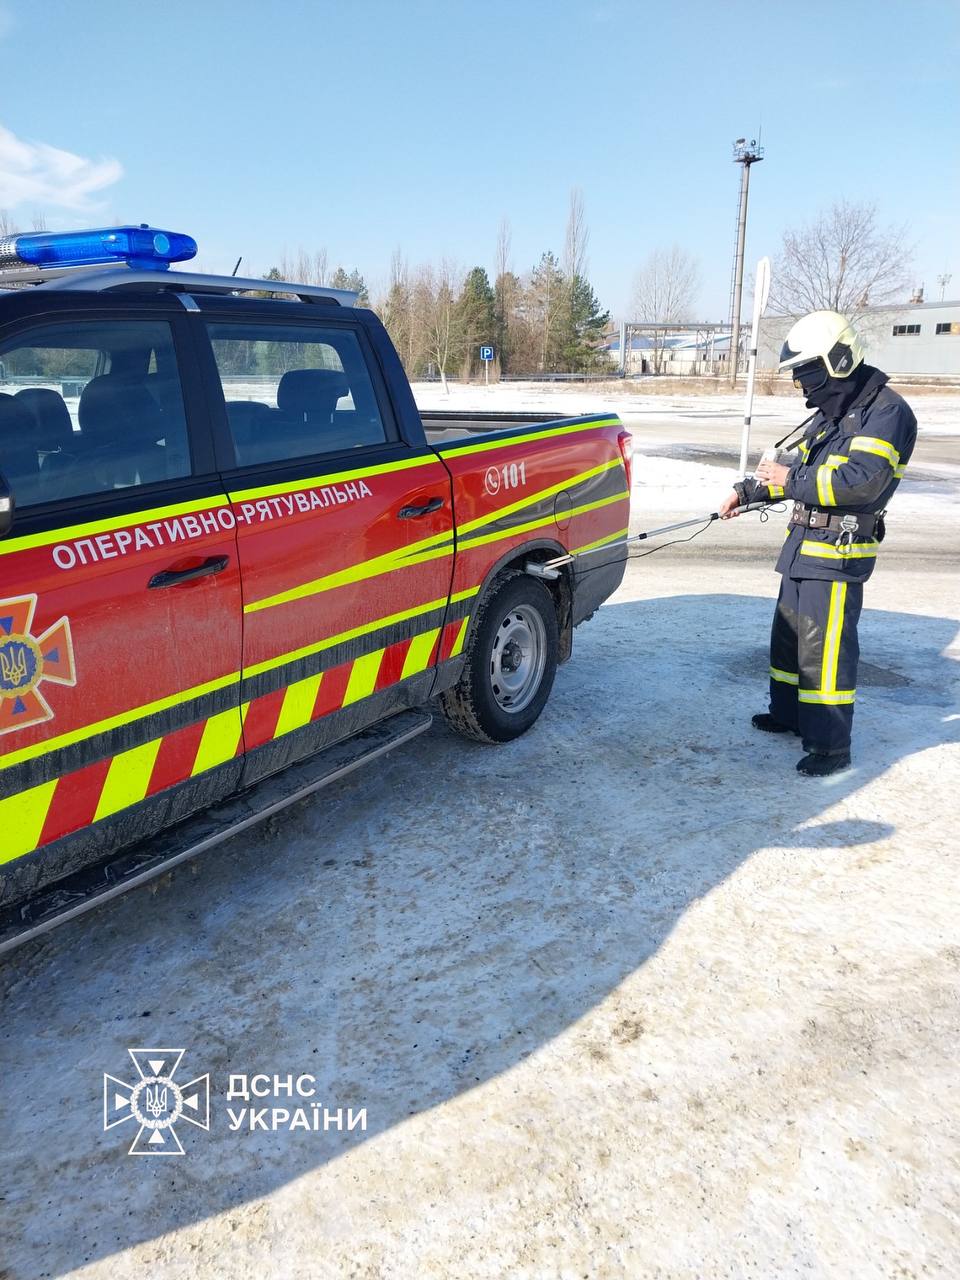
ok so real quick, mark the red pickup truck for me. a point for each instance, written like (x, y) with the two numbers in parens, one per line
(236, 562)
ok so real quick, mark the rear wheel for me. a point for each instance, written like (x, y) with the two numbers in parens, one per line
(511, 662)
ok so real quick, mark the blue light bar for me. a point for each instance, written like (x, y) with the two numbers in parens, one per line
(142, 247)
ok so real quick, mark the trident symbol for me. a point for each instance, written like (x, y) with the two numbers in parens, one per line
(13, 666)
(156, 1101)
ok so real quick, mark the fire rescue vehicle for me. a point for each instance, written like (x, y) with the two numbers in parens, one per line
(236, 562)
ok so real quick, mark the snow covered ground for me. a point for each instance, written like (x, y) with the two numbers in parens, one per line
(937, 412)
(625, 998)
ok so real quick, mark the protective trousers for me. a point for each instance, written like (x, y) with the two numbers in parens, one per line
(813, 660)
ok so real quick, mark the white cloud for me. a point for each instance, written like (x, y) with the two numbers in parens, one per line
(41, 176)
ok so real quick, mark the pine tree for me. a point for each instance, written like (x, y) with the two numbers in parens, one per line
(584, 325)
(475, 322)
(352, 280)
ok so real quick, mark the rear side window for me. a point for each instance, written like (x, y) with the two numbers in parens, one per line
(90, 407)
(293, 391)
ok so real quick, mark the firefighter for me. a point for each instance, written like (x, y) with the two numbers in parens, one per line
(850, 460)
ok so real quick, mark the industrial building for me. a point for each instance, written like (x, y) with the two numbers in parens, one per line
(678, 350)
(917, 338)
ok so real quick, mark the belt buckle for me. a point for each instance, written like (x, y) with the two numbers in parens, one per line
(848, 527)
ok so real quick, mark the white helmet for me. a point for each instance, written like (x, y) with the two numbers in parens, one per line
(827, 336)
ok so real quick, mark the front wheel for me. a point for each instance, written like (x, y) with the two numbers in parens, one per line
(511, 663)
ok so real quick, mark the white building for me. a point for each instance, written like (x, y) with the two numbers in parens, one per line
(679, 353)
(913, 338)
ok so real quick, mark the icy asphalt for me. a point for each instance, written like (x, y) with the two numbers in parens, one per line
(627, 997)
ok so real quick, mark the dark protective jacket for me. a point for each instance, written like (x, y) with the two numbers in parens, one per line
(853, 464)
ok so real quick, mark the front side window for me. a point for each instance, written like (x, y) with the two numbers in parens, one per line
(293, 391)
(90, 407)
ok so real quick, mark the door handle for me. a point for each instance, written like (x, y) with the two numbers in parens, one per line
(173, 577)
(413, 513)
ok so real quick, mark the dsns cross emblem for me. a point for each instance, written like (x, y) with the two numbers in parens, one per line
(26, 661)
(156, 1101)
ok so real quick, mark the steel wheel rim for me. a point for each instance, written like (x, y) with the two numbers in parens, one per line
(519, 659)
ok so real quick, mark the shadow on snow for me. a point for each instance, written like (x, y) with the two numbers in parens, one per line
(430, 922)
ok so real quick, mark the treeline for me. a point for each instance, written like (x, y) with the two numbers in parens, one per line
(547, 320)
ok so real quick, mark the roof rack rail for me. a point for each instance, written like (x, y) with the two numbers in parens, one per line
(103, 280)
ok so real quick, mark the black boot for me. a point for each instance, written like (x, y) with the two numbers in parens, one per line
(769, 724)
(819, 765)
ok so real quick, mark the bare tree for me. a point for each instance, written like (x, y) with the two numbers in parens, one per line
(7, 225)
(396, 310)
(435, 297)
(664, 290)
(842, 261)
(577, 239)
(504, 301)
(304, 267)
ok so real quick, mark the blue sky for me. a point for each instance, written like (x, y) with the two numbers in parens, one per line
(364, 125)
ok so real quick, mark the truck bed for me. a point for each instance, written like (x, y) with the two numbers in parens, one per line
(441, 427)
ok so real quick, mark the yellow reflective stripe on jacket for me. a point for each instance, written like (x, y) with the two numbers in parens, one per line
(831, 637)
(785, 677)
(775, 490)
(827, 551)
(899, 470)
(825, 472)
(873, 444)
(834, 698)
(458, 451)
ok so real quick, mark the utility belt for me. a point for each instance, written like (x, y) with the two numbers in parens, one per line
(847, 527)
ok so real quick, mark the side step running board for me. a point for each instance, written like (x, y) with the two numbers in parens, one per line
(88, 888)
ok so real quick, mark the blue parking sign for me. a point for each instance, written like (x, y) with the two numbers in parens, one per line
(486, 353)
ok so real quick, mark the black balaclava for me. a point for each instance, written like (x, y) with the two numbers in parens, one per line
(836, 394)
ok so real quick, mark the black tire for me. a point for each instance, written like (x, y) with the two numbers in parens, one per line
(479, 704)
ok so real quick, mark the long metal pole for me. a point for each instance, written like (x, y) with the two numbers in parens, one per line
(761, 292)
(738, 272)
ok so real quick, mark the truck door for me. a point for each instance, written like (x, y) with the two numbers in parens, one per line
(119, 589)
(345, 530)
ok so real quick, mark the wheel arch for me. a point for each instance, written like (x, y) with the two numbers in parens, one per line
(537, 550)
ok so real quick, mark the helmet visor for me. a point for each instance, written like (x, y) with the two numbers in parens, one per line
(810, 376)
